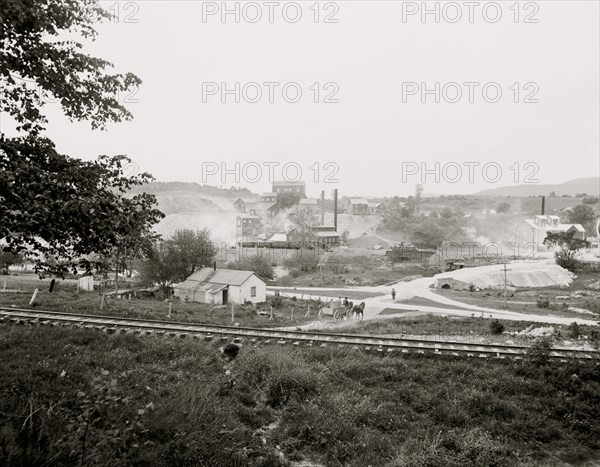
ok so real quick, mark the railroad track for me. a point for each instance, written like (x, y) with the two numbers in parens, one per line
(210, 332)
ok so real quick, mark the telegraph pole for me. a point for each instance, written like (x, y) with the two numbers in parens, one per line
(505, 270)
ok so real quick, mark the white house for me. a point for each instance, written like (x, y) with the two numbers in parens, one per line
(221, 286)
(535, 230)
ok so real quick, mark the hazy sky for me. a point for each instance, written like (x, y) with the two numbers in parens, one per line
(378, 123)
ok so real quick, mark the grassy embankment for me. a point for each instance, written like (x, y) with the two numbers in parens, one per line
(66, 299)
(77, 396)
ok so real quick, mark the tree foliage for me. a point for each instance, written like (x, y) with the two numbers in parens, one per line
(583, 214)
(287, 200)
(304, 223)
(176, 258)
(258, 264)
(51, 205)
(35, 61)
(503, 208)
(568, 247)
(55, 206)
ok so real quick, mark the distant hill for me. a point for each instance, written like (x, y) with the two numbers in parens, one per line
(590, 185)
(195, 206)
(185, 198)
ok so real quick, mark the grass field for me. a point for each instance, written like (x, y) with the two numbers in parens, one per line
(66, 299)
(75, 396)
(475, 329)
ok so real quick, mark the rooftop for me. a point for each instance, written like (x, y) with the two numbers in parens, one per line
(220, 276)
(284, 182)
(358, 201)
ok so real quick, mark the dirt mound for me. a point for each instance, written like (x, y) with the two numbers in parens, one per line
(541, 274)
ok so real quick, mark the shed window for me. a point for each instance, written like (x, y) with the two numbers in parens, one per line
(253, 291)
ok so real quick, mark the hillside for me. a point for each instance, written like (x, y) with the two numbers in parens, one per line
(195, 206)
(181, 197)
(590, 185)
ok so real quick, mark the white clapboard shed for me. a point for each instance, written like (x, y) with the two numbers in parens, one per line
(220, 286)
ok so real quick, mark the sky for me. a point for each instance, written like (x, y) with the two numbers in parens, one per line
(379, 67)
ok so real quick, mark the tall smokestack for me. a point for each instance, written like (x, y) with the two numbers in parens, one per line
(543, 205)
(323, 207)
(335, 196)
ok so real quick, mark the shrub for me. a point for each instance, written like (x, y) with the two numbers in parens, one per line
(295, 272)
(539, 352)
(277, 300)
(543, 303)
(496, 327)
(574, 332)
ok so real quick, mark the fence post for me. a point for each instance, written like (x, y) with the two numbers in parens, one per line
(307, 312)
(33, 297)
(170, 308)
(292, 317)
(271, 316)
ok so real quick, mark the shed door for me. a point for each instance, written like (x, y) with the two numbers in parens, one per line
(224, 296)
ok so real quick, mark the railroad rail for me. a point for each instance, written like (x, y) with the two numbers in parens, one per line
(208, 332)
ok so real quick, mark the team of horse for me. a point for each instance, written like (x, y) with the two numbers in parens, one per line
(343, 311)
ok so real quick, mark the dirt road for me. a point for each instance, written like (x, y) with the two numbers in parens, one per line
(422, 288)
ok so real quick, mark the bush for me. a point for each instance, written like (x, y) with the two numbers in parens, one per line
(257, 264)
(295, 272)
(277, 300)
(543, 303)
(539, 352)
(574, 332)
(496, 327)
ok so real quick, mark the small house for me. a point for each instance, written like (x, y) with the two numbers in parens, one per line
(221, 286)
(358, 207)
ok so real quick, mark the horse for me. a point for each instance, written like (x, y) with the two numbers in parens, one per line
(340, 314)
(358, 310)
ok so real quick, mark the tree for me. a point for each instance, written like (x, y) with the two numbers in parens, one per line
(56, 207)
(287, 200)
(160, 266)
(7, 260)
(176, 258)
(568, 248)
(194, 249)
(257, 264)
(503, 208)
(584, 215)
(304, 223)
(33, 63)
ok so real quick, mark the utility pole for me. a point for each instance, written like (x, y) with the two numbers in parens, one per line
(505, 271)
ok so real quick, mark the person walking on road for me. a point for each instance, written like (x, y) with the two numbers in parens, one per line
(393, 295)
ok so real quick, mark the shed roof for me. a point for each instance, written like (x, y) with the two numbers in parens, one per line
(245, 200)
(220, 276)
(358, 201)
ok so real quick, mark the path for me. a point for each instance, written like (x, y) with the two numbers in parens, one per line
(422, 288)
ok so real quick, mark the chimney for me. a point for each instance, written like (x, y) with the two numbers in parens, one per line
(335, 201)
(543, 205)
(323, 207)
